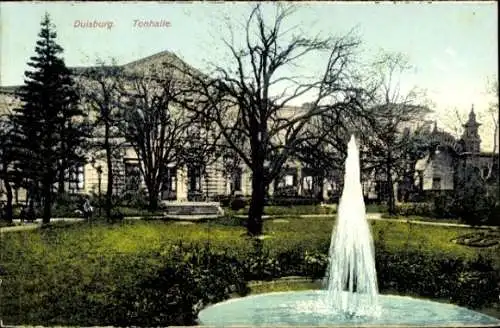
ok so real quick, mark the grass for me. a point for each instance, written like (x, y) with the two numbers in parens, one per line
(287, 210)
(78, 253)
(305, 210)
(396, 235)
(131, 235)
(422, 218)
(152, 236)
(4, 223)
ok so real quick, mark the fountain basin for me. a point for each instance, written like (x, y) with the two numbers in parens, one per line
(304, 308)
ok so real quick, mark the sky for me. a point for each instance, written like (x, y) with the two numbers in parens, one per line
(452, 46)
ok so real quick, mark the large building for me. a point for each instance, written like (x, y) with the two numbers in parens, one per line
(437, 171)
(180, 182)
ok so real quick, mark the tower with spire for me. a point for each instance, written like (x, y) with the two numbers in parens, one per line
(470, 138)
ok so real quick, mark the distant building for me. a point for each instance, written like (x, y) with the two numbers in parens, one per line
(441, 168)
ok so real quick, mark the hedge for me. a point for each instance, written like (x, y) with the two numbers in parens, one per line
(174, 292)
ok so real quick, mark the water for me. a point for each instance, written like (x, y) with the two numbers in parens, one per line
(351, 277)
(304, 308)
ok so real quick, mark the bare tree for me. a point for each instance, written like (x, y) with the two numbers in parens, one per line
(202, 148)
(324, 144)
(152, 124)
(250, 99)
(492, 113)
(398, 135)
(455, 121)
(99, 87)
(493, 110)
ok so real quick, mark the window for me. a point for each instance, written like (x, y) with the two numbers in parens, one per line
(170, 179)
(486, 171)
(194, 179)
(237, 180)
(76, 178)
(288, 180)
(308, 182)
(173, 185)
(132, 177)
(436, 183)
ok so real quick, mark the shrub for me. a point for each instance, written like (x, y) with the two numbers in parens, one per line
(174, 294)
(67, 199)
(494, 218)
(127, 289)
(291, 210)
(238, 203)
(473, 204)
(136, 199)
(315, 263)
(411, 273)
(443, 206)
(224, 200)
(285, 192)
(293, 201)
(414, 209)
(471, 284)
(66, 204)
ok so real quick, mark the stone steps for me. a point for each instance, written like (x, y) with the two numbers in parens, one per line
(191, 208)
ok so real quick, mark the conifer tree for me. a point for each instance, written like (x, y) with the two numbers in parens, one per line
(49, 135)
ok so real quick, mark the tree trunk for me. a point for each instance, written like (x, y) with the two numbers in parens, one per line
(8, 206)
(254, 225)
(60, 181)
(321, 188)
(47, 201)
(391, 202)
(207, 196)
(109, 163)
(153, 191)
(318, 187)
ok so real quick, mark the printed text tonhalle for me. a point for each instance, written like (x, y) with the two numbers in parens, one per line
(151, 23)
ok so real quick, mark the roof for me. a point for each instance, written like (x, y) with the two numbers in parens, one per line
(11, 89)
(160, 57)
(481, 154)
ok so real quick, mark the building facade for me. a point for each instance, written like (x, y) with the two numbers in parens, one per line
(448, 156)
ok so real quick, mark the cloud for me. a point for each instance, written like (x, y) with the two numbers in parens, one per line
(448, 61)
(451, 52)
(440, 65)
(454, 57)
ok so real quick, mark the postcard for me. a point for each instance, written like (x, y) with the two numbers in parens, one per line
(249, 164)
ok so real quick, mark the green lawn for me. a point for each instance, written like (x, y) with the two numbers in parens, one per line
(305, 209)
(80, 239)
(101, 256)
(396, 235)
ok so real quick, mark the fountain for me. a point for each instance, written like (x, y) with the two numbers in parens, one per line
(351, 278)
(350, 295)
